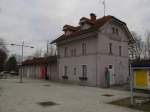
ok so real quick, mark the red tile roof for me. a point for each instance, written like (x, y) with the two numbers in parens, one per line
(88, 20)
(40, 61)
(96, 25)
(70, 27)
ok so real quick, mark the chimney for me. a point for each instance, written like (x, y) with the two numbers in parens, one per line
(93, 17)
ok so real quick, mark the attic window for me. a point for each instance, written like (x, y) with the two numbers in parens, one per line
(82, 24)
(115, 30)
(85, 23)
(67, 32)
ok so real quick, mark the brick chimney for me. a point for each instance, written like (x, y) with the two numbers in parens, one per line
(93, 17)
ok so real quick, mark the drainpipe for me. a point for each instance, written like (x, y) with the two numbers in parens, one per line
(96, 69)
(58, 62)
(97, 60)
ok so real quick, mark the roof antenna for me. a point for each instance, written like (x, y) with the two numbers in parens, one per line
(104, 3)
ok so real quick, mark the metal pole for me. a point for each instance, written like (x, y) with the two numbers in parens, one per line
(131, 85)
(104, 2)
(47, 47)
(22, 64)
(22, 47)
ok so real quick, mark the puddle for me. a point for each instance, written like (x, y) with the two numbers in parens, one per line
(47, 103)
(47, 85)
(108, 95)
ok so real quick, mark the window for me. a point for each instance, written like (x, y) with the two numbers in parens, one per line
(66, 51)
(120, 50)
(74, 50)
(65, 70)
(74, 70)
(82, 24)
(83, 48)
(110, 48)
(84, 70)
(115, 30)
(110, 66)
(58, 52)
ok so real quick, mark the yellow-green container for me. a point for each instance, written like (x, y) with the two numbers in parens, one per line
(141, 77)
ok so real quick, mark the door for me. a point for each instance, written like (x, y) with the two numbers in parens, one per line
(43, 71)
(111, 74)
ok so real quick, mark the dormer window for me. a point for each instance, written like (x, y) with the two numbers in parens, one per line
(86, 23)
(68, 29)
(82, 24)
(67, 33)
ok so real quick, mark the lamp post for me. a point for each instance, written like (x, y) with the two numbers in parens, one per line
(22, 47)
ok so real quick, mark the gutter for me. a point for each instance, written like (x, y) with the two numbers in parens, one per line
(96, 61)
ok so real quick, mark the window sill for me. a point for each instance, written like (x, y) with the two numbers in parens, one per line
(65, 77)
(83, 78)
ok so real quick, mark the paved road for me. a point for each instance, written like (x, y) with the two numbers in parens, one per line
(16, 97)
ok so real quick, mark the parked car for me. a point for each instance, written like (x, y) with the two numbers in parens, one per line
(3, 74)
(7, 72)
(13, 73)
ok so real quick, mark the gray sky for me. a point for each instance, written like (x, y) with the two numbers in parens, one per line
(36, 21)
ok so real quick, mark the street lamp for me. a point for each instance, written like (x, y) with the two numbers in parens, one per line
(22, 46)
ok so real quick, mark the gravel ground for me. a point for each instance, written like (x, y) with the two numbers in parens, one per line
(25, 97)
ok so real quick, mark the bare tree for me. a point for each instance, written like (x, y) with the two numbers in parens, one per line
(137, 48)
(38, 53)
(51, 50)
(148, 44)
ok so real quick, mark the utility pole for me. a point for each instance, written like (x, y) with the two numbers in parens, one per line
(47, 47)
(22, 64)
(22, 50)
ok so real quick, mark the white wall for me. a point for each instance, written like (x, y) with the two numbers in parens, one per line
(120, 63)
(79, 60)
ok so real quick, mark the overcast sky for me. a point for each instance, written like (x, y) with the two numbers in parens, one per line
(36, 21)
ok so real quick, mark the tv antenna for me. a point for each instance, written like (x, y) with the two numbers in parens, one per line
(104, 3)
